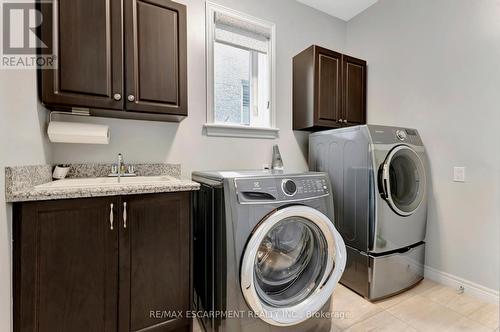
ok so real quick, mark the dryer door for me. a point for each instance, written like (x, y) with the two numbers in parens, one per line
(403, 180)
(291, 264)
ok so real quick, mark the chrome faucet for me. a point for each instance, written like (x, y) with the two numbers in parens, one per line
(120, 170)
(119, 165)
(277, 162)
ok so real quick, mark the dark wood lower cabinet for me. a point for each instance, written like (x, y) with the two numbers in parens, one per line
(103, 264)
(65, 266)
(155, 262)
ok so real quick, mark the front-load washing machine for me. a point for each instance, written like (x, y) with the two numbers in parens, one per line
(267, 256)
(378, 177)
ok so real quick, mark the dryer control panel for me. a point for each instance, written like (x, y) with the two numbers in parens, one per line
(394, 135)
(281, 188)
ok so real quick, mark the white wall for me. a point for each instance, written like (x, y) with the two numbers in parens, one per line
(435, 65)
(297, 27)
(22, 122)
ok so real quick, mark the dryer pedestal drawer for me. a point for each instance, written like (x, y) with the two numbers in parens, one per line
(396, 272)
(356, 271)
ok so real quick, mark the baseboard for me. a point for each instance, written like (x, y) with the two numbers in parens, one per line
(470, 288)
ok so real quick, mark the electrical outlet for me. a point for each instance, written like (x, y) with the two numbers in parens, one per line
(459, 174)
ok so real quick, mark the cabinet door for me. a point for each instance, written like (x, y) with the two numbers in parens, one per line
(86, 36)
(354, 90)
(155, 41)
(155, 262)
(66, 266)
(328, 87)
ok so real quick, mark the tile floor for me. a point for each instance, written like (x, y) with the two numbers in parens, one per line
(428, 307)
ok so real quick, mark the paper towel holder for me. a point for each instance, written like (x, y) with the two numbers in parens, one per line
(76, 131)
(74, 111)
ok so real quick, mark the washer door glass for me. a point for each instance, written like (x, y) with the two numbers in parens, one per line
(404, 180)
(290, 262)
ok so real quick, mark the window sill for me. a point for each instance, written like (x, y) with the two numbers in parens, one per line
(233, 130)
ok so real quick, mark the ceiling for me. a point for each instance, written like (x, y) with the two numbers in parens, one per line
(343, 9)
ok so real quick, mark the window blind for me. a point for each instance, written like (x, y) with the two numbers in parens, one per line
(241, 33)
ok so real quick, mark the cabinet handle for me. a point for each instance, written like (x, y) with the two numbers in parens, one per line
(340, 120)
(117, 97)
(111, 216)
(131, 98)
(124, 214)
(345, 121)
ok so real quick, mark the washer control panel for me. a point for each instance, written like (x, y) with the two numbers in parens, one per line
(281, 188)
(314, 186)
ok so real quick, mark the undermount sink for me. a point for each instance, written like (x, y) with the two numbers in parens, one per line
(105, 182)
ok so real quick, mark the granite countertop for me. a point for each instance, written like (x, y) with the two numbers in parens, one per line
(21, 182)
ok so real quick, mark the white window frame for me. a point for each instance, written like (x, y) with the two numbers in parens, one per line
(213, 128)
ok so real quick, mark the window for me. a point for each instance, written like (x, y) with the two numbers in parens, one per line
(245, 102)
(240, 76)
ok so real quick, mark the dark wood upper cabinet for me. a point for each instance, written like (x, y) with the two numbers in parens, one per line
(156, 79)
(86, 37)
(102, 264)
(154, 261)
(118, 58)
(354, 90)
(328, 67)
(65, 266)
(329, 90)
